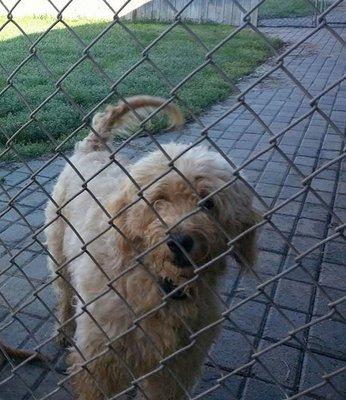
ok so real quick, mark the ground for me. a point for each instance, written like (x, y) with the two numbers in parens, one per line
(285, 9)
(298, 296)
(176, 55)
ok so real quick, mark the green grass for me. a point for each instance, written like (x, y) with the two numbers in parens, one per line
(177, 54)
(285, 9)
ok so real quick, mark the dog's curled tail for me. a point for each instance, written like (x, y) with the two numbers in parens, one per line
(104, 122)
(20, 354)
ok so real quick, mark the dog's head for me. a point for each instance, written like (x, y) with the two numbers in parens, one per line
(183, 225)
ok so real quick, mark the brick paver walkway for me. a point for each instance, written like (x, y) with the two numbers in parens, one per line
(295, 22)
(316, 63)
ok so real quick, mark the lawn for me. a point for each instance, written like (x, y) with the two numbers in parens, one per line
(286, 8)
(176, 55)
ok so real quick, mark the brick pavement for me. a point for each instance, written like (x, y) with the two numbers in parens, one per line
(256, 324)
(308, 21)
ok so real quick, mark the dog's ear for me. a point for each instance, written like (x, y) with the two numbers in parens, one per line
(246, 247)
(241, 217)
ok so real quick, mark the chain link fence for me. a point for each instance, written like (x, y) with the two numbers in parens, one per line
(243, 356)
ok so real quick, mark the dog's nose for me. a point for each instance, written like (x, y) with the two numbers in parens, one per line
(176, 241)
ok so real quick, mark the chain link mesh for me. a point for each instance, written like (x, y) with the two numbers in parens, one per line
(27, 309)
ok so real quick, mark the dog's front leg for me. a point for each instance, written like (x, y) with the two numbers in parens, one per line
(99, 379)
(176, 380)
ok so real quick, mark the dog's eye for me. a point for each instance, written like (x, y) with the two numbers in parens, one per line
(208, 204)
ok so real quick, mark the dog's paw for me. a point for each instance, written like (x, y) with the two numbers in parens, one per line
(64, 336)
(62, 340)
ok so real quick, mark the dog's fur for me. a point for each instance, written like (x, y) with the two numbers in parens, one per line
(139, 346)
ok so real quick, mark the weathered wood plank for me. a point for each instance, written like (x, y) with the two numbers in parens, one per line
(220, 11)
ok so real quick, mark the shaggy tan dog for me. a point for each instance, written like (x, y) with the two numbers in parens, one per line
(124, 327)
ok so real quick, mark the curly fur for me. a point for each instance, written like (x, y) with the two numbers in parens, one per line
(137, 349)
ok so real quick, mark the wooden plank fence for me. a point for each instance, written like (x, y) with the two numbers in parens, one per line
(219, 11)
